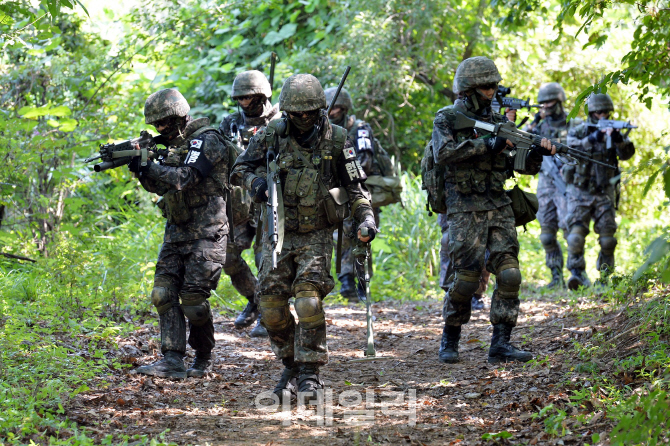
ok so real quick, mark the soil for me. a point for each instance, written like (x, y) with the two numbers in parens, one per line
(455, 404)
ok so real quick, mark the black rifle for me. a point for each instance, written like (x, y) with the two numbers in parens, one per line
(273, 62)
(523, 141)
(604, 124)
(501, 100)
(121, 153)
(274, 196)
(363, 267)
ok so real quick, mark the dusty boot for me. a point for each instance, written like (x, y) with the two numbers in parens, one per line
(308, 382)
(200, 365)
(248, 315)
(287, 384)
(171, 366)
(557, 281)
(259, 331)
(477, 302)
(501, 350)
(348, 288)
(577, 279)
(449, 346)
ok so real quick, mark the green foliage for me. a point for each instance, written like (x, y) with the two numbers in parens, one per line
(645, 420)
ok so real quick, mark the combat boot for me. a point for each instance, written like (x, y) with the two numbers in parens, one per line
(449, 346)
(308, 382)
(557, 281)
(477, 302)
(577, 279)
(259, 331)
(287, 384)
(200, 365)
(248, 315)
(171, 366)
(501, 350)
(348, 288)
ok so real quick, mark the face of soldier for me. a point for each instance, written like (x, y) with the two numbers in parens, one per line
(551, 108)
(304, 121)
(484, 94)
(336, 113)
(252, 104)
(601, 115)
(167, 126)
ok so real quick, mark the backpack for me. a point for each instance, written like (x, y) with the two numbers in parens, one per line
(386, 188)
(432, 181)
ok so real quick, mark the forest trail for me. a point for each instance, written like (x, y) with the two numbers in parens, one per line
(455, 404)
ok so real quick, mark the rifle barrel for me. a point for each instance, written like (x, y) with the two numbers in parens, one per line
(339, 88)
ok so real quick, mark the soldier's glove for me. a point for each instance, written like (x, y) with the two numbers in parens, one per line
(372, 228)
(259, 186)
(496, 145)
(596, 136)
(616, 136)
(136, 166)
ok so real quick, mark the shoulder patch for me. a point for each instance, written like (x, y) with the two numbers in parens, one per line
(349, 153)
(196, 143)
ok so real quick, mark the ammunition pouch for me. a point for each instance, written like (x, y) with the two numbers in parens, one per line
(336, 205)
(524, 205)
(176, 209)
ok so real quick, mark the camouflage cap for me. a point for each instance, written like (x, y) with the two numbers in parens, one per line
(249, 83)
(600, 103)
(475, 71)
(551, 92)
(164, 104)
(343, 99)
(301, 92)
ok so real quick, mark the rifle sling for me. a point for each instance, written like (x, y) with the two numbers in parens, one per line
(338, 253)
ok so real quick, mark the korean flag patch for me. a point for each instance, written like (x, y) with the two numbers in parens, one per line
(196, 143)
(363, 133)
(349, 153)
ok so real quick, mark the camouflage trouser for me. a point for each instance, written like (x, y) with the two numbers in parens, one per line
(582, 208)
(447, 272)
(552, 216)
(189, 271)
(471, 234)
(236, 267)
(348, 245)
(303, 270)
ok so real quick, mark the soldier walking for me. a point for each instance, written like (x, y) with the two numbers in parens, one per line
(591, 194)
(252, 92)
(191, 181)
(304, 141)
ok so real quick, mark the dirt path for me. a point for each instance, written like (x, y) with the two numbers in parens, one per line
(454, 403)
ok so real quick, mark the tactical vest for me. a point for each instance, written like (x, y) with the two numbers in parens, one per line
(304, 205)
(589, 176)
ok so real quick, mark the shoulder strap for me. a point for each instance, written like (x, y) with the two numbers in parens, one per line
(200, 131)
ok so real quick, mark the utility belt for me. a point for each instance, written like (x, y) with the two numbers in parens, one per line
(177, 205)
(469, 181)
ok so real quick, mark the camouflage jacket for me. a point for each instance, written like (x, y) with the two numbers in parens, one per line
(475, 177)
(371, 155)
(589, 176)
(193, 176)
(552, 128)
(304, 205)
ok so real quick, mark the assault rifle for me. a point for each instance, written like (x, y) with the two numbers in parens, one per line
(604, 124)
(363, 266)
(501, 100)
(551, 169)
(121, 153)
(274, 197)
(523, 141)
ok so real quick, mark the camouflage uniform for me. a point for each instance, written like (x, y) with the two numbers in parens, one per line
(303, 266)
(591, 194)
(479, 213)
(191, 180)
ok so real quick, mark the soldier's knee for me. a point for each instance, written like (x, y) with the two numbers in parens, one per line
(196, 308)
(577, 238)
(607, 243)
(445, 241)
(308, 305)
(508, 280)
(275, 312)
(465, 285)
(164, 294)
(548, 239)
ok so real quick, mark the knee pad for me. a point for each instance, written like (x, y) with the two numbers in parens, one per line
(275, 312)
(465, 285)
(308, 306)
(548, 240)
(508, 281)
(196, 309)
(164, 295)
(445, 242)
(577, 238)
(607, 244)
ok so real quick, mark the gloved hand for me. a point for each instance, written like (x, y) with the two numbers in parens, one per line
(616, 136)
(371, 227)
(496, 145)
(596, 136)
(540, 150)
(259, 187)
(136, 166)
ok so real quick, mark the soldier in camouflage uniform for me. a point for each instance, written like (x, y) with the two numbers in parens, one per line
(191, 180)
(252, 92)
(479, 212)
(591, 194)
(304, 141)
(551, 186)
(362, 139)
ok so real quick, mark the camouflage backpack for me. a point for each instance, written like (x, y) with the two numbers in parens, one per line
(432, 181)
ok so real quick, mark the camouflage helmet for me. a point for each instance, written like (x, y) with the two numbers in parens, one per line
(600, 103)
(551, 92)
(475, 71)
(164, 104)
(301, 92)
(343, 99)
(249, 83)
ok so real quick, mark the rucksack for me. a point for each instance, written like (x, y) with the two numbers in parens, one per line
(432, 181)
(386, 188)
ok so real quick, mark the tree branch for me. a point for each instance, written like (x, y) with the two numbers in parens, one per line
(15, 257)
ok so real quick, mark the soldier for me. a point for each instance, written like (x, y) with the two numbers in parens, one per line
(362, 139)
(551, 186)
(479, 212)
(305, 141)
(252, 92)
(191, 180)
(591, 194)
